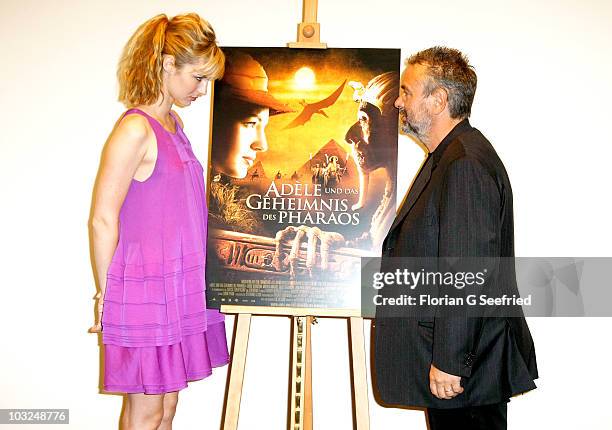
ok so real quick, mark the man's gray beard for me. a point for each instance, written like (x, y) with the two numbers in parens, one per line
(419, 131)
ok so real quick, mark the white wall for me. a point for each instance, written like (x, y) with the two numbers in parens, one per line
(543, 100)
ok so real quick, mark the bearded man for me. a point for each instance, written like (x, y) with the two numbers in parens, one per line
(463, 370)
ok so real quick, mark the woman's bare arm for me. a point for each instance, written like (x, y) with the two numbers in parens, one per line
(121, 157)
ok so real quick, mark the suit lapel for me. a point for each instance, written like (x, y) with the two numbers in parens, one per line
(425, 173)
(415, 191)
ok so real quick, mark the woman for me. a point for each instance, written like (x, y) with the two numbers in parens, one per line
(148, 226)
(243, 106)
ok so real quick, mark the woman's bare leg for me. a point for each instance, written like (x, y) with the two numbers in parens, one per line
(142, 412)
(170, 401)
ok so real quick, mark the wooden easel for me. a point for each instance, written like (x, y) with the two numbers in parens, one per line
(309, 30)
(300, 413)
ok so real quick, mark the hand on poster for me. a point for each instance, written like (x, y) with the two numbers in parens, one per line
(296, 236)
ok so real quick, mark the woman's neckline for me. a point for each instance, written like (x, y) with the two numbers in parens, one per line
(159, 122)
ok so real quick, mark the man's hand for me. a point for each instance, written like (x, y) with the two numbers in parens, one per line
(444, 385)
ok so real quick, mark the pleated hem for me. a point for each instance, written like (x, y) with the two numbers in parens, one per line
(160, 389)
(164, 369)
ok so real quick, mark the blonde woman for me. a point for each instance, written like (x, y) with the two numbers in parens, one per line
(148, 226)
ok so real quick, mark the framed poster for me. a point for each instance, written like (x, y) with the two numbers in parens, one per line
(302, 174)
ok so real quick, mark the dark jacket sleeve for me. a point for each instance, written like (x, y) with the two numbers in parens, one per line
(469, 221)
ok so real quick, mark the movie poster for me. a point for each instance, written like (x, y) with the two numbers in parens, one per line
(302, 174)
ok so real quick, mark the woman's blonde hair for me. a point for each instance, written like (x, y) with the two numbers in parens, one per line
(188, 38)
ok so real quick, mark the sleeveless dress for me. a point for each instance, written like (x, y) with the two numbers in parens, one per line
(156, 330)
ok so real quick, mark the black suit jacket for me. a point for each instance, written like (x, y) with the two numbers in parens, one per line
(460, 205)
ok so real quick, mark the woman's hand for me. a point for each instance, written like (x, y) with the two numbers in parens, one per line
(97, 327)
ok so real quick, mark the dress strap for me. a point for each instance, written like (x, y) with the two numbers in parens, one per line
(177, 123)
(154, 121)
(138, 111)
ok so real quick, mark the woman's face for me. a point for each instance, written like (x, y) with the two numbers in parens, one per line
(186, 83)
(237, 140)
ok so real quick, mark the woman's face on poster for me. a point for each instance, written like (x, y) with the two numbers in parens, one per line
(238, 136)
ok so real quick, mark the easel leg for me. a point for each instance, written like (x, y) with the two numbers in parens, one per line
(236, 378)
(308, 377)
(358, 374)
(300, 414)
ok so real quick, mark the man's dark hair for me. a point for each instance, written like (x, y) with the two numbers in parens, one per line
(448, 68)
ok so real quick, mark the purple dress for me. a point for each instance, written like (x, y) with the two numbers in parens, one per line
(156, 330)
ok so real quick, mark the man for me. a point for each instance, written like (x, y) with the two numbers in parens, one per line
(464, 370)
(372, 139)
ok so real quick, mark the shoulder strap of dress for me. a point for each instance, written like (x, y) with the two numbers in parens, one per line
(176, 120)
(138, 111)
(161, 135)
(157, 127)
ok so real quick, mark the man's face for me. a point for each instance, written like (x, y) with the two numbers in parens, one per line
(242, 138)
(415, 112)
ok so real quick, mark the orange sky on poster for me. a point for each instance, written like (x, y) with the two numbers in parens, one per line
(289, 149)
